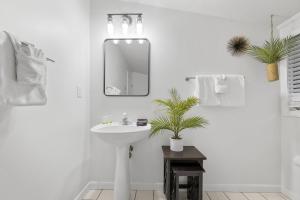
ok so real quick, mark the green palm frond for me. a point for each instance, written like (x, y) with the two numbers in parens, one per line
(173, 120)
(193, 122)
(161, 123)
(174, 95)
(272, 51)
(166, 103)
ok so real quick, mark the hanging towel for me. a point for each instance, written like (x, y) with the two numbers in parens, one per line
(21, 82)
(205, 90)
(30, 61)
(230, 94)
(235, 94)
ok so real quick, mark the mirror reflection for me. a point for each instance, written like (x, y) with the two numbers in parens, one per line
(126, 67)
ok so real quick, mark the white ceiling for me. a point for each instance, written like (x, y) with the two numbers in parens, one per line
(257, 11)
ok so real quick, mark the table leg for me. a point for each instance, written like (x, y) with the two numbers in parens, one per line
(168, 182)
(200, 187)
(165, 176)
(200, 197)
(176, 184)
(189, 187)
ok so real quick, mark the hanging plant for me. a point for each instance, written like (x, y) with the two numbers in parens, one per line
(272, 51)
(238, 45)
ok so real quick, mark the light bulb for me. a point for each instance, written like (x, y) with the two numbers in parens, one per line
(128, 41)
(110, 28)
(116, 41)
(110, 25)
(139, 25)
(141, 41)
(125, 27)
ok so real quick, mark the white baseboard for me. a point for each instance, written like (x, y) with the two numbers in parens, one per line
(134, 186)
(97, 185)
(207, 187)
(290, 194)
(82, 192)
(241, 188)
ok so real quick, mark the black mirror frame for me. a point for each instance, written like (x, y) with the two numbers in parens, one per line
(104, 67)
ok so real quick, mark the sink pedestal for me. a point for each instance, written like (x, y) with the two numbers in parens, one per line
(122, 176)
(121, 136)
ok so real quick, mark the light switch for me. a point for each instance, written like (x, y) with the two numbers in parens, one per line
(78, 92)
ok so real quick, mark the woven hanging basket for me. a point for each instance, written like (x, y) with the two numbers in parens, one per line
(272, 72)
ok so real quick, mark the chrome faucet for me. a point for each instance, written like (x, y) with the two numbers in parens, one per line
(125, 119)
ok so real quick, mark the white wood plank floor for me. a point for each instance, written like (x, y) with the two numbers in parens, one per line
(157, 195)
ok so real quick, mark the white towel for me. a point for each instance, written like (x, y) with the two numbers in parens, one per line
(30, 61)
(112, 90)
(233, 94)
(220, 84)
(13, 92)
(205, 90)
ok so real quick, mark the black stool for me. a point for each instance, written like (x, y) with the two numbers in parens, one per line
(194, 174)
(189, 156)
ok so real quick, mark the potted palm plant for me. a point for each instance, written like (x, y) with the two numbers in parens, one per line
(174, 120)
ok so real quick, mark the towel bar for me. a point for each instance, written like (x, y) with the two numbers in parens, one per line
(49, 59)
(189, 78)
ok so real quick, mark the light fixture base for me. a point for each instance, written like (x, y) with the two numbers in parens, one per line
(127, 18)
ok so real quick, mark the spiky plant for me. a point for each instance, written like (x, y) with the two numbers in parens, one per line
(272, 51)
(238, 45)
(174, 119)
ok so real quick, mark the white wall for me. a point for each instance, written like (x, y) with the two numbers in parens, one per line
(43, 150)
(242, 144)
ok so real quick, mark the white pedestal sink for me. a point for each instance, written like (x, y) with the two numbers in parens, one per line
(121, 136)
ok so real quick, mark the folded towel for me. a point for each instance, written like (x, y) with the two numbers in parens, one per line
(112, 90)
(220, 84)
(13, 92)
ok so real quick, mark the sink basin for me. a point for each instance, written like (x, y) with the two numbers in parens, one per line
(121, 136)
(118, 134)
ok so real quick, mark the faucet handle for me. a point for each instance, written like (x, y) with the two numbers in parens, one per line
(125, 119)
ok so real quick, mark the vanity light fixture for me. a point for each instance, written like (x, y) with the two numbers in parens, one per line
(110, 25)
(126, 22)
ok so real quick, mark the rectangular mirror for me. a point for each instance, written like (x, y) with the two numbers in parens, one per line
(126, 67)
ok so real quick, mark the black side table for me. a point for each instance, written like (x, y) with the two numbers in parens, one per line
(190, 154)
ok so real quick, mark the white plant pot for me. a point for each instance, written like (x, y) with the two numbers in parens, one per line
(176, 145)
